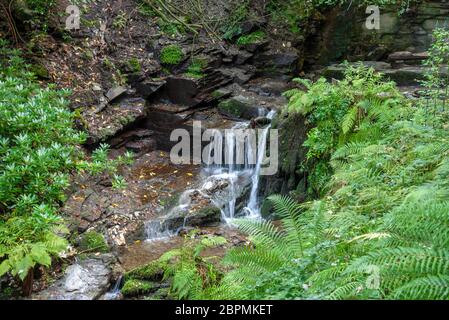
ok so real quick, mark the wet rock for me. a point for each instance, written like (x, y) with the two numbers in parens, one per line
(292, 134)
(407, 55)
(206, 216)
(242, 57)
(275, 87)
(237, 75)
(239, 107)
(85, 280)
(256, 46)
(115, 93)
(221, 93)
(261, 121)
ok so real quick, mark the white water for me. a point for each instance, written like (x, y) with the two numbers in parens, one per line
(225, 183)
(235, 174)
(253, 208)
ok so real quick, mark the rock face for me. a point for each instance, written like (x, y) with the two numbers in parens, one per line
(404, 75)
(85, 280)
(342, 34)
(114, 118)
(277, 63)
(292, 134)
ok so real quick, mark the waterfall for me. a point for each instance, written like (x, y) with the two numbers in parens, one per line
(235, 173)
(253, 209)
(240, 160)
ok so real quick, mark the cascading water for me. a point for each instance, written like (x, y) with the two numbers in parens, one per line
(253, 209)
(226, 182)
(236, 173)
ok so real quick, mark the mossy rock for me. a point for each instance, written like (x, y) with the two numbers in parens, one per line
(93, 241)
(239, 107)
(154, 271)
(207, 216)
(172, 55)
(134, 287)
(160, 294)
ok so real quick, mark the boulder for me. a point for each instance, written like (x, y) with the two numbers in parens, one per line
(206, 216)
(277, 63)
(239, 107)
(87, 279)
(261, 121)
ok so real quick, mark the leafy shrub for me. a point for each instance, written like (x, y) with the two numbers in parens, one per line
(380, 230)
(350, 111)
(172, 55)
(38, 151)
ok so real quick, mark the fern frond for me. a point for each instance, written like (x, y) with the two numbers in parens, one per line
(427, 288)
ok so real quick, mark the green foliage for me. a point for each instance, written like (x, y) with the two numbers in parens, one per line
(119, 182)
(381, 229)
(133, 65)
(93, 241)
(133, 288)
(195, 69)
(38, 11)
(193, 277)
(120, 21)
(232, 26)
(153, 271)
(172, 55)
(347, 112)
(436, 86)
(251, 38)
(38, 151)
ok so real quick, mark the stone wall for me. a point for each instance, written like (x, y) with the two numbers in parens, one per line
(341, 33)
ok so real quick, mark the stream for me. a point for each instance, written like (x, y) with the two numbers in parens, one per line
(224, 184)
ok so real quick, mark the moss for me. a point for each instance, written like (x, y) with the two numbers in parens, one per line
(172, 55)
(195, 69)
(255, 37)
(160, 294)
(133, 287)
(153, 271)
(133, 65)
(236, 106)
(93, 241)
